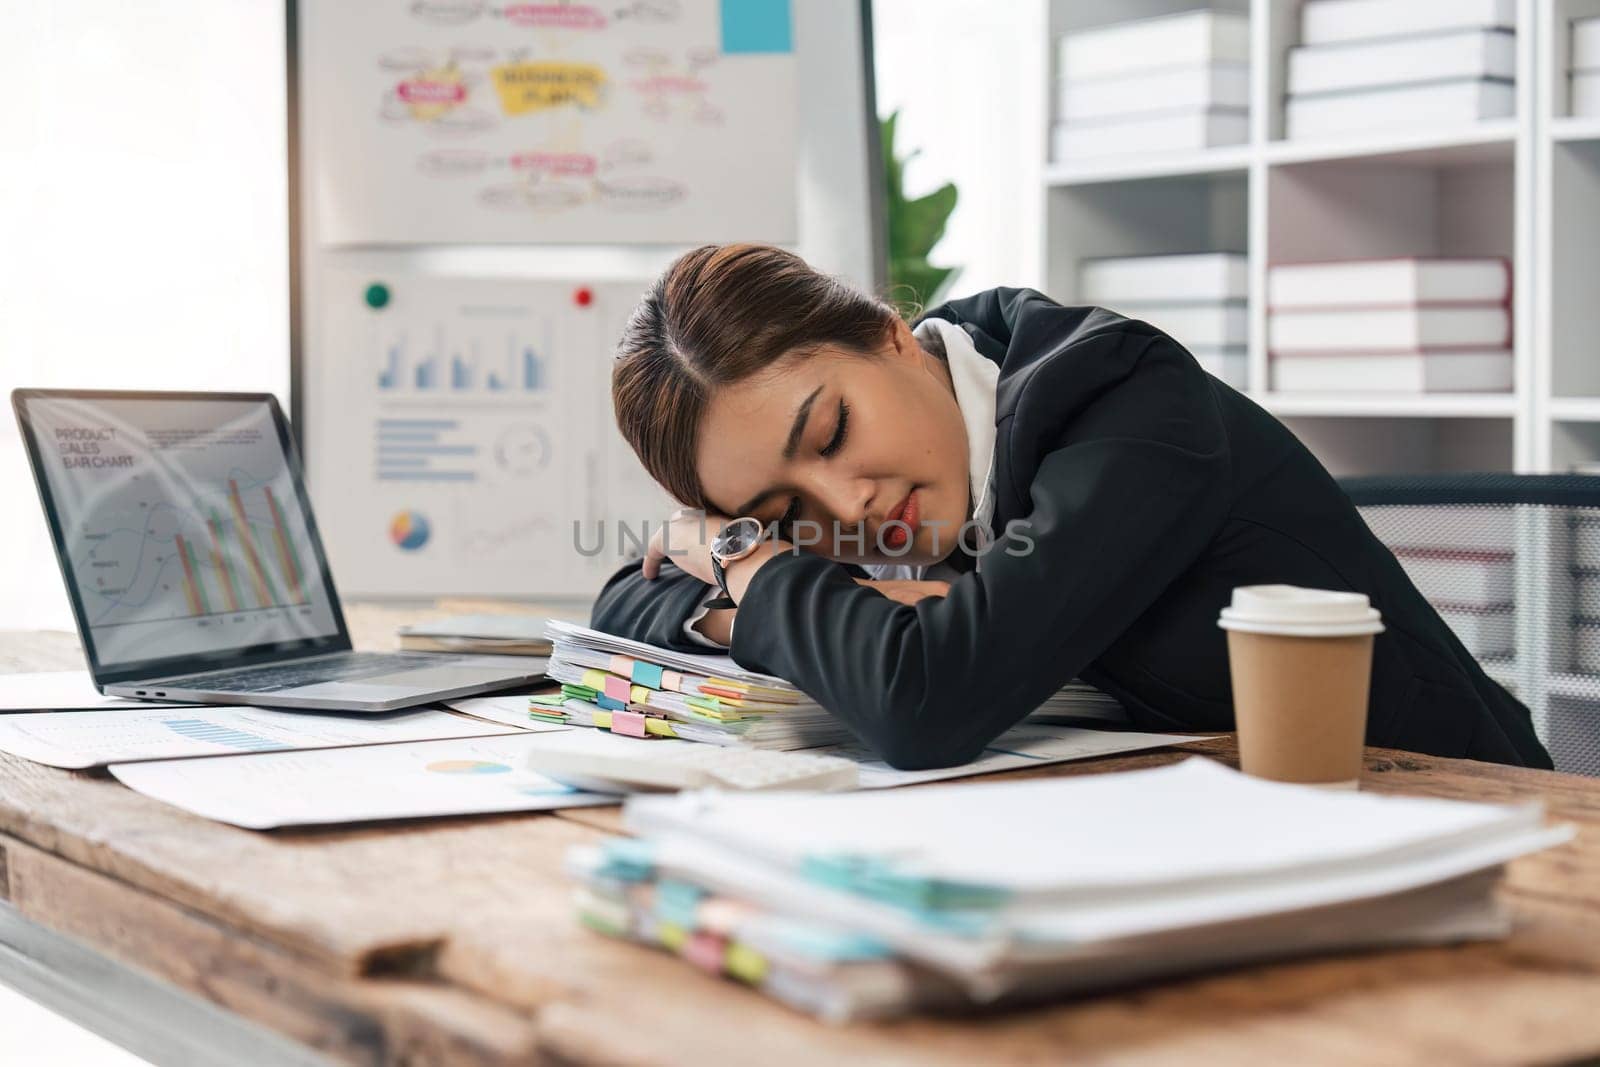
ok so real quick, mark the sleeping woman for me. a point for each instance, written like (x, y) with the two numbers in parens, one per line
(932, 528)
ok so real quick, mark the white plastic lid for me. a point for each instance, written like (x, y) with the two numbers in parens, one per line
(1295, 612)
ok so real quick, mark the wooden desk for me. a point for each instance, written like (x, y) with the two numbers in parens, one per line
(453, 941)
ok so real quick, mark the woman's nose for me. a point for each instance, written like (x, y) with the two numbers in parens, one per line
(847, 500)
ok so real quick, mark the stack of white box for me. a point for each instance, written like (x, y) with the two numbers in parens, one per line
(1585, 69)
(1402, 325)
(1367, 65)
(1197, 299)
(1463, 561)
(1174, 83)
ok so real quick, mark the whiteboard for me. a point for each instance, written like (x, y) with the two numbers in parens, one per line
(484, 477)
(660, 121)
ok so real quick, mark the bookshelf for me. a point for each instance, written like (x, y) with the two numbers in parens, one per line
(1491, 188)
(1525, 187)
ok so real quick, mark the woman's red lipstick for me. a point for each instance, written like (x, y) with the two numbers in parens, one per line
(906, 511)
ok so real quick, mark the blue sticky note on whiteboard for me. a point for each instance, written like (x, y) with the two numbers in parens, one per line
(756, 26)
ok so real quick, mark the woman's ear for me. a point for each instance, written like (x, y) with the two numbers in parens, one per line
(903, 342)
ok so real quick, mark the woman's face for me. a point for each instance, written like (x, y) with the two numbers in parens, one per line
(841, 442)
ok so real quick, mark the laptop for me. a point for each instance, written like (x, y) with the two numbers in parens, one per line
(192, 560)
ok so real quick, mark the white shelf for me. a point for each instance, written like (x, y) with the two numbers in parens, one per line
(1490, 140)
(1575, 408)
(1220, 160)
(1579, 128)
(1424, 405)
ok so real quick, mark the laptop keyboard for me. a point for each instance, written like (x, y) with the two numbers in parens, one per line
(273, 678)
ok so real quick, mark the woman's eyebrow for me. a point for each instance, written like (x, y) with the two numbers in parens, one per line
(797, 431)
(790, 447)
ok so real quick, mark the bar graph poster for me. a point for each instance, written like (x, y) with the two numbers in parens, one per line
(454, 121)
(466, 443)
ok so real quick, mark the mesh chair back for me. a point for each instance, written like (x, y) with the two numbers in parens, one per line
(1512, 563)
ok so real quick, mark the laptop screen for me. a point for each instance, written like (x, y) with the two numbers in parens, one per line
(181, 526)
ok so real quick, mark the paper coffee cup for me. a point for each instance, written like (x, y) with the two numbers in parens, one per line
(1301, 663)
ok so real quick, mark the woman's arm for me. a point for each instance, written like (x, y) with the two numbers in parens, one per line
(1131, 494)
(653, 610)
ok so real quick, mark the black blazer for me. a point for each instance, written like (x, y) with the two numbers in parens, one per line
(1152, 490)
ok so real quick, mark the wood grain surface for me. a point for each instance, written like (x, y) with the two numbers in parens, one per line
(453, 941)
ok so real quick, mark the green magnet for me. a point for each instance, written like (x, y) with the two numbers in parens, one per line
(377, 296)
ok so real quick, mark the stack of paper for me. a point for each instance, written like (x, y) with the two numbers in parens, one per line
(644, 690)
(1198, 299)
(1391, 325)
(1163, 84)
(1373, 64)
(1585, 71)
(862, 904)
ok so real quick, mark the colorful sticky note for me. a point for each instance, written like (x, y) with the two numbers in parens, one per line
(756, 26)
(629, 723)
(647, 674)
(617, 688)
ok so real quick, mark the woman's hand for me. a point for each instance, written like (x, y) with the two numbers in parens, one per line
(906, 592)
(685, 539)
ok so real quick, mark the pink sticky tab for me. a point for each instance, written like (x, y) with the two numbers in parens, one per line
(672, 681)
(705, 951)
(618, 688)
(621, 665)
(627, 723)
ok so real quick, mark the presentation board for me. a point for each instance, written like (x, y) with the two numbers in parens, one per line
(650, 122)
(475, 214)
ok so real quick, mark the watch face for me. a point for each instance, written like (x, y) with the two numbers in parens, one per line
(738, 539)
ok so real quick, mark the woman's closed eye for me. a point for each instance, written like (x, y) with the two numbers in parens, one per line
(836, 442)
(791, 514)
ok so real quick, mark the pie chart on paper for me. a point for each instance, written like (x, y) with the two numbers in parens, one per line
(409, 530)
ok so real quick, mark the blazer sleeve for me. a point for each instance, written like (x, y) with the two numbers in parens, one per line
(1127, 495)
(654, 610)
(650, 610)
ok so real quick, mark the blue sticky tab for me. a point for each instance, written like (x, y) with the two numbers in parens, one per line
(609, 703)
(647, 674)
(628, 859)
(678, 902)
(756, 26)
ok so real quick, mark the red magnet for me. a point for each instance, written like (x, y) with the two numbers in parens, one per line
(583, 296)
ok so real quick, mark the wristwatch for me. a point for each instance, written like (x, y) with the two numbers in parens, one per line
(734, 541)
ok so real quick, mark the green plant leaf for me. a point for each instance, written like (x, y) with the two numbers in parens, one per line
(914, 226)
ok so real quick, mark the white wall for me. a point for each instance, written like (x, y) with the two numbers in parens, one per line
(142, 221)
(966, 76)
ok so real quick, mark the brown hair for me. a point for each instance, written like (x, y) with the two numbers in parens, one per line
(717, 315)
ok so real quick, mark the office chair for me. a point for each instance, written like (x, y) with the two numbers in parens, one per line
(1512, 563)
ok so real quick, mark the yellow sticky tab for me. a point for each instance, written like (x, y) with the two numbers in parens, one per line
(672, 935)
(595, 679)
(745, 964)
(640, 694)
(602, 719)
(659, 728)
(528, 87)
